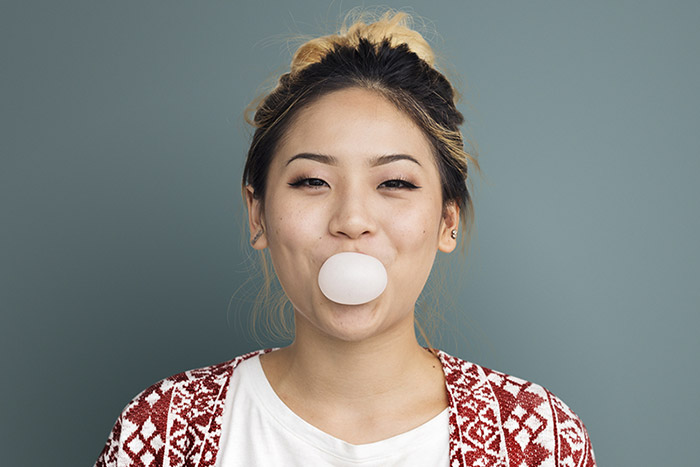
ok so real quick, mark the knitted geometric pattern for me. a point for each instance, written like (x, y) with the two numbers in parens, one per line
(501, 420)
(495, 420)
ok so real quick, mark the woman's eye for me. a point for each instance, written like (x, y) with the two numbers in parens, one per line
(397, 183)
(310, 182)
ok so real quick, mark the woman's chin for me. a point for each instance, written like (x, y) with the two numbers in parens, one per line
(351, 323)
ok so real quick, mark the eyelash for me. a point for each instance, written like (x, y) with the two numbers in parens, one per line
(300, 181)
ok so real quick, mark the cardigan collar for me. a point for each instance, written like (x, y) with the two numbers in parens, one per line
(475, 437)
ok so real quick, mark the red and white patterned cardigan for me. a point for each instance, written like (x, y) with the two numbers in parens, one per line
(495, 420)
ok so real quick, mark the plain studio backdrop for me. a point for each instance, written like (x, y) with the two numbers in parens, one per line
(121, 223)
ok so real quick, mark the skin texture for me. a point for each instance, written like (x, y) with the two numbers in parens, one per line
(354, 370)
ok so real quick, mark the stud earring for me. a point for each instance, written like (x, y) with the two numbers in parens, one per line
(454, 234)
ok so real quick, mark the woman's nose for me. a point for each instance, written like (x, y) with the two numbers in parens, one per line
(351, 215)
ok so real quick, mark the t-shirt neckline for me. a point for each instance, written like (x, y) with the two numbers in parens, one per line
(269, 400)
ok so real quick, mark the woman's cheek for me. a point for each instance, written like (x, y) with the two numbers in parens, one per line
(300, 230)
(411, 227)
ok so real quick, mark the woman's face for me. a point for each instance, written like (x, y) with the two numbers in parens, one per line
(353, 173)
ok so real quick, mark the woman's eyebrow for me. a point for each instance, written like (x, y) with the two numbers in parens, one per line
(323, 158)
(373, 161)
(386, 159)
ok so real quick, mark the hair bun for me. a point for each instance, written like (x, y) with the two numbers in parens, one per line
(392, 25)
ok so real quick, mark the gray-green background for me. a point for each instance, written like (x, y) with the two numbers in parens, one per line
(120, 225)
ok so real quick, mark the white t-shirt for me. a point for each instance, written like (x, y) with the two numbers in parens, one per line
(258, 429)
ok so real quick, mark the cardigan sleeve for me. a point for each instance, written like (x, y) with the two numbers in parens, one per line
(108, 456)
(573, 445)
(177, 418)
(537, 427)
(138, 436)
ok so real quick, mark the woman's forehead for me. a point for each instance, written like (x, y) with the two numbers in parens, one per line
(354, 123)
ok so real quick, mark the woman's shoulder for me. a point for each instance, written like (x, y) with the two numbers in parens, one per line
(196, 383)
(511, 392)
(181, 406)
(531, 418)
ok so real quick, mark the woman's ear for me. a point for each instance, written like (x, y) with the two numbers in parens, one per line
(258, 236)
(449, 223)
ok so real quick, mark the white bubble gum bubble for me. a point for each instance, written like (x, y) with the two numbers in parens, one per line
(350, 278)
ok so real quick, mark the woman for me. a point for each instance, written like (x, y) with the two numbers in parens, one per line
(357, 150)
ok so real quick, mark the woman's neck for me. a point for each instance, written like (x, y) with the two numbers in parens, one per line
(391, 368)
